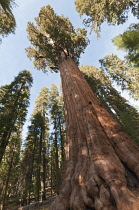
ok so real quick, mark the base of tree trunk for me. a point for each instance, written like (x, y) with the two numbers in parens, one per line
(82, 191)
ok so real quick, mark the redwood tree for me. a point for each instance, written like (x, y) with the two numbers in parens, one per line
(101, 169)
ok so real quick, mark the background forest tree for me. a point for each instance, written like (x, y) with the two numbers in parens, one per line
(14, 101)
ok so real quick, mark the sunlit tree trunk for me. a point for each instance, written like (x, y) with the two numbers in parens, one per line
(102, 167)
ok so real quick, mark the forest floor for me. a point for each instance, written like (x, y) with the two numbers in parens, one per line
(17, 207)
(44, 205)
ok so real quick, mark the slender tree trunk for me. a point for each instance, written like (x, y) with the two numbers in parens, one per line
(38, 184)
(51, 175)
(43, 166)
(4, 141)
(7, 182)
(56, 162)
(102, 170)
(62, 145)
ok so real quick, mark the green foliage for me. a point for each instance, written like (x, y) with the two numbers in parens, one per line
(10, 169)
(57, 136)
(31, 160)
(125, 75)
(7, 20)
(112, 11)
(129, 41)
(34, 170)
(14, 101)
(51, 36)
(41, 102)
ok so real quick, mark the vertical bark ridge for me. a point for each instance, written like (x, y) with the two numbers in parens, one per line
(124, 146)
(94, 174)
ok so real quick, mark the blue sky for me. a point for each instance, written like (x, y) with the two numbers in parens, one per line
(12, 50)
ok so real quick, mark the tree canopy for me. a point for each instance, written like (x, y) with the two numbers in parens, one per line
(14, 101)
(120, 71)
(112, 11)
(7, 20)
(51, 36)
(129, 41)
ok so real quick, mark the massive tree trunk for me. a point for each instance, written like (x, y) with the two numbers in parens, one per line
(101, 170)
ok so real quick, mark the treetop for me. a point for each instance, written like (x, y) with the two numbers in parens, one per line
(52, 35)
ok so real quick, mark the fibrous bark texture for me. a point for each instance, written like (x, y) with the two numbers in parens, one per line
(101, 170)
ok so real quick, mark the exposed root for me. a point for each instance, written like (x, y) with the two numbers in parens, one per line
(123, 197)
(87, 189)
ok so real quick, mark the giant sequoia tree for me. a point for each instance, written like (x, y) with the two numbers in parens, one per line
(101, 169)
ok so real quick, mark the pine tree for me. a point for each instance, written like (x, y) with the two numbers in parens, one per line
(27, 167)
(111, 11)
(41, 106)
(98, 152)
(34, 172)
(31, 161)
(57, 134)
(13, 107)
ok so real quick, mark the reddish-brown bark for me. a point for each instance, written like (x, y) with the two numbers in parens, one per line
(99, 155)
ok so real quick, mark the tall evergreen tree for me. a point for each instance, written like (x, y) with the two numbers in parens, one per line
(31, 161)
(41, 106)
(56, 116)
(13, 106)
(34, 171)
(98, 152)
(112, 11)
